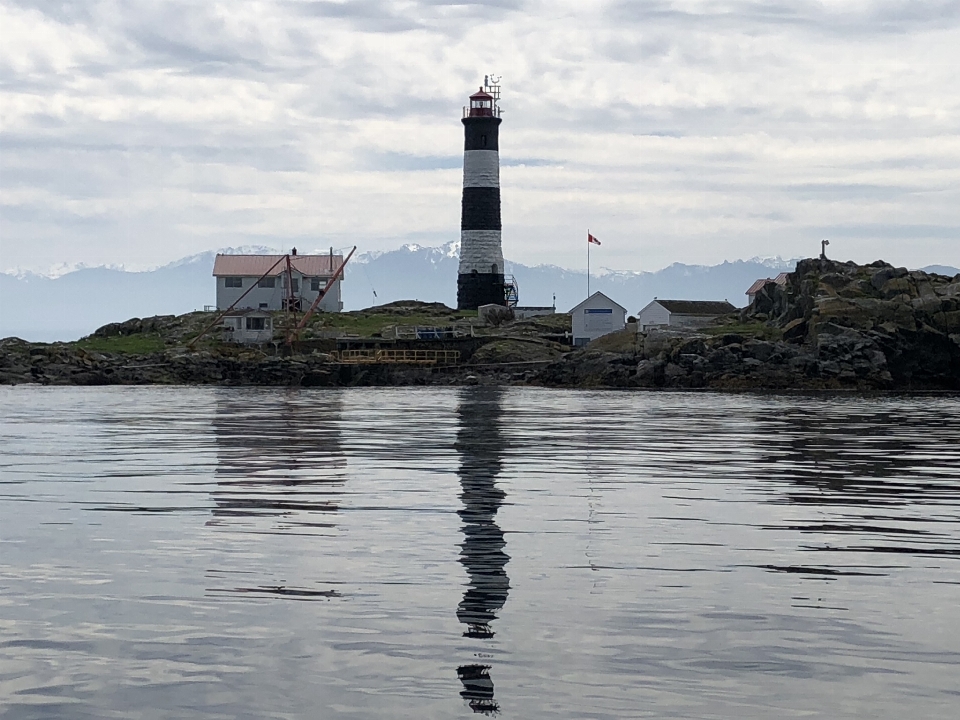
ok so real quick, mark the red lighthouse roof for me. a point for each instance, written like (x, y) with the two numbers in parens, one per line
(481, 104)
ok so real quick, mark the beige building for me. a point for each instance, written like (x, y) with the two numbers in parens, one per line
(238, 274)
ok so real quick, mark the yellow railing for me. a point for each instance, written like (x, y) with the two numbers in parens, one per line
(405, 357)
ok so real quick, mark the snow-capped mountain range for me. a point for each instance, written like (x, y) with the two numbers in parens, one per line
(70, 303)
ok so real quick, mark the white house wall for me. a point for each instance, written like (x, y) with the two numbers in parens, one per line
(273, 297)
(691, 321)
(598, 321)
(655, 314)
(235, 329)
(652, 315)
(589, 326)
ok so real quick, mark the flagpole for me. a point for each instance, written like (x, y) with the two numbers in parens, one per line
(588, 262)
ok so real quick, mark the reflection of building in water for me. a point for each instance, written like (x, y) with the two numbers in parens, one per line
(279, 456)
(480, 444)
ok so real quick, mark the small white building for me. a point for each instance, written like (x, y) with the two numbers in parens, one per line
(238, 274)
(596, 316)
(249, 327)
(682, 313)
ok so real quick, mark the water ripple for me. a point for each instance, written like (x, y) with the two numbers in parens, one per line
(437, 553)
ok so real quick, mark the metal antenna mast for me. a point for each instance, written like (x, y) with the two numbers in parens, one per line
(491, 86)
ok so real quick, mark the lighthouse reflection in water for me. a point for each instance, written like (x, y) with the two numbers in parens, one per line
(480, 445)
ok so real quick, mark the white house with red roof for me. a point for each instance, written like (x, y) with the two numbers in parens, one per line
(752, 291)
(237, 274)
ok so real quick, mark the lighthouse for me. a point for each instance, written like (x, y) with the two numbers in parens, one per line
(480, 278)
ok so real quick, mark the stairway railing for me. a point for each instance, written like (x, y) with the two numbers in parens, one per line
(511, 290)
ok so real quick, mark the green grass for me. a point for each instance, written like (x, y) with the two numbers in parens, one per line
(125, 344)
(366, 325)
(621, 341)
(182, 333)
(758, 330)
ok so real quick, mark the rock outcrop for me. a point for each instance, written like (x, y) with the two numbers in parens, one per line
(833, 325)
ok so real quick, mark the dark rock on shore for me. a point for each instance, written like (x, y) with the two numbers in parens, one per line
(67, 364)
(832, 326)
(56, 364)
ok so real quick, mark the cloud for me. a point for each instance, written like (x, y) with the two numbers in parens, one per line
(699, 131)
(839, 18)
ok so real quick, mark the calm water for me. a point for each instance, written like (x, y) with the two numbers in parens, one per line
(367, 553)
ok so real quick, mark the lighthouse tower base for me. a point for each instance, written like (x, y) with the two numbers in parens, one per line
(476, 289)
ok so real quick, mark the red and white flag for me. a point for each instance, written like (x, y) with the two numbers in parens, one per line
(592, 239)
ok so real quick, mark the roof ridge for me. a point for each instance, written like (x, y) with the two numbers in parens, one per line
(256, 265)
(693, 307)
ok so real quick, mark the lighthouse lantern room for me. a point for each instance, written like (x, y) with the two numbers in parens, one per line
(480, 277)
(481, 104)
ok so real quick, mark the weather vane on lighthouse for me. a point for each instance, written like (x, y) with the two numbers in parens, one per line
(491, 85)
(480, 276)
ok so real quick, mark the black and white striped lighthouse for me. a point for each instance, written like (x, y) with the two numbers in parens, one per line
(480, 279)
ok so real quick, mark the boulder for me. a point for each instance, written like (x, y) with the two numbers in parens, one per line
(514, 350)
(495, 315)
(795, 329)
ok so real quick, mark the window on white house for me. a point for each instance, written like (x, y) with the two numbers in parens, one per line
(256, 323)
(317, 284)
(296, 284)
(267, 282)
(233, 282)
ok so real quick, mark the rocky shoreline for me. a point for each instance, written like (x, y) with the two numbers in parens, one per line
(833, 326)
(22, 362)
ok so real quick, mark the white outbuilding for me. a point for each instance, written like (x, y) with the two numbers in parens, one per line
(682, 313)
(596, 316)
(249, 327)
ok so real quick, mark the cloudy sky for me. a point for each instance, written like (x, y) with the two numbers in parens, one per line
(136, 133)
